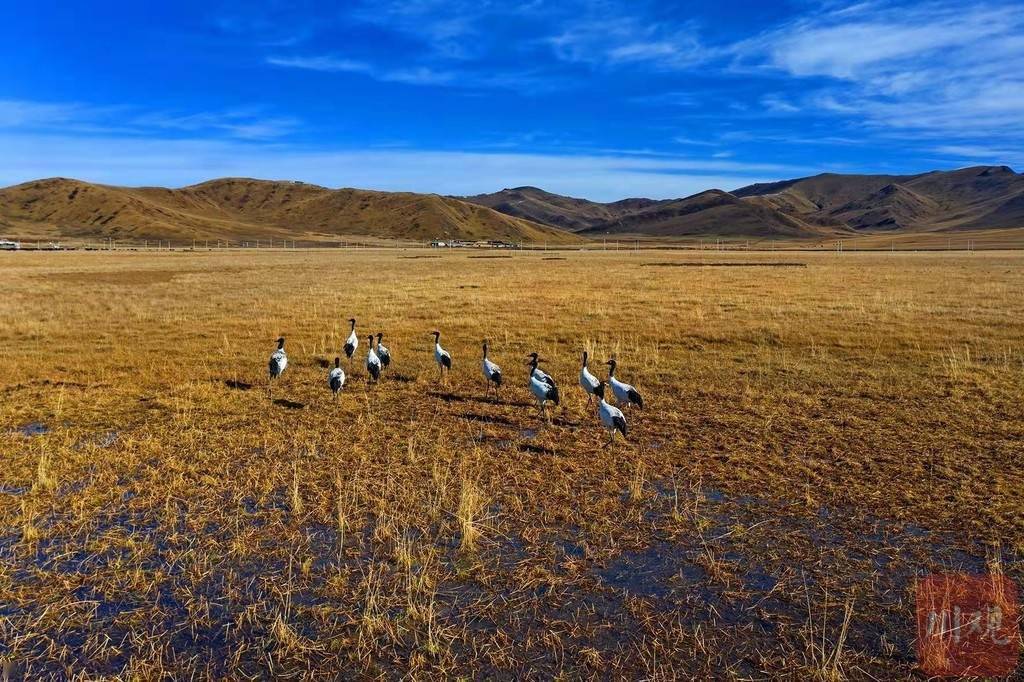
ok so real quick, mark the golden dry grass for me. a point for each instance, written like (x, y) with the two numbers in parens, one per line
(815, 436)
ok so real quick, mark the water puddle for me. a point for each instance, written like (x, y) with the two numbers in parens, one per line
(107, 439)
(34, 429)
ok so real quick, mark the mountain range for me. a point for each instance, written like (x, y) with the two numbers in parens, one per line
(981, 197)
(827, 205)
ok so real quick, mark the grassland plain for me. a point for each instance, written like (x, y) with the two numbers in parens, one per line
(815, 435)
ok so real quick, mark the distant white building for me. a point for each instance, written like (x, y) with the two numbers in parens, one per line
(8, 245)
(438, 244)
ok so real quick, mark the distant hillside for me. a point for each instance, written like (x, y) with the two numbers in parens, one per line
(241, 209)
(569, 213)
(979, 197)
(710, 213)
(985, 197)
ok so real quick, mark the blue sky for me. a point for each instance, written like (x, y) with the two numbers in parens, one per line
(603, 99)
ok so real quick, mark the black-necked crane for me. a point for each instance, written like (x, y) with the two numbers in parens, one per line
(625, 394)
(382, 352)
(372, 362)
(352, 342)
(336, 378)
(277, 365)
(442, 357)
(542, 386)
(492, 373)
(538, 372)
(610, 416)
(587, 380)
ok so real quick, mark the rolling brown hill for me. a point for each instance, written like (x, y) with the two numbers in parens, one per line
(245, 209)
(976, 198)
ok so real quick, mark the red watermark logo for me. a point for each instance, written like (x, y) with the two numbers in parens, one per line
(967, 625)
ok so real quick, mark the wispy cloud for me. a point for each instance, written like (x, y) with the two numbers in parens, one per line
(185, 161)
(459, 46)
(90, 120)
(419, 75)
(617, 40)
(244, 124)
(676, 98)
(778, 104)
(19, 113)
(524, 81)
(937, 68)
(982, 154)
(326, 63)
(683, 139)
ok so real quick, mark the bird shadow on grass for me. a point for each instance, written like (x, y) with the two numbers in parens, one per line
(324, 363)
(454, 398)
(400, 378)
(237, 385)
(561, 421)
(485, 419)
(290, 404)
(536, 449)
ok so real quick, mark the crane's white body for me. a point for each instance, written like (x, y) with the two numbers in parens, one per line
(373, 365)
(490, 370)
(540, 390)
(440, 354)
(620, 390)
(384, 354)
(588, 382)
(278, 363)
(609, 414)
(542, 376)
(351, 343)
(336, 379)
(625, 395)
